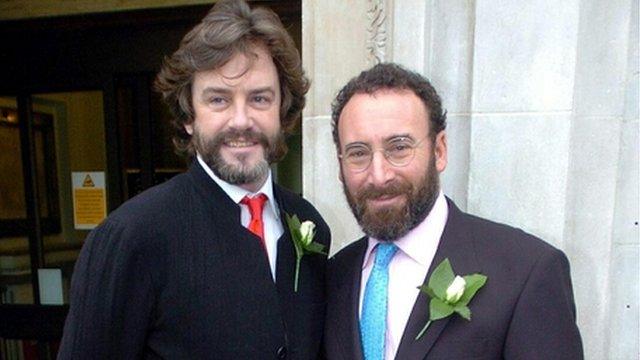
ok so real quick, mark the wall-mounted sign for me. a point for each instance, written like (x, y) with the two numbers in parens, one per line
(89, 199)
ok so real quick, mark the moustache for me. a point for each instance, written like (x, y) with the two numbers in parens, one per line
(240, 135)
(393, 189)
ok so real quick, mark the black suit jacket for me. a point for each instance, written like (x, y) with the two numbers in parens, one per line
(173, 274)
(525, 310)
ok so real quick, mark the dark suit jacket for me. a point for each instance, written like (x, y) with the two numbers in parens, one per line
(525, 310)
(173, 274)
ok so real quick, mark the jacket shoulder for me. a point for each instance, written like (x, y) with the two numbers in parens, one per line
(298, 202)
(505, 252)
(505, 238)
(155, 204)
(351, 252)
(348, 255)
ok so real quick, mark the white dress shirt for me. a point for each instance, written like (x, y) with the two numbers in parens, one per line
(273, 228)
(407, 271)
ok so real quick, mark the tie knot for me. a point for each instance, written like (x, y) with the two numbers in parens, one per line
(255, 204)
(385, 253)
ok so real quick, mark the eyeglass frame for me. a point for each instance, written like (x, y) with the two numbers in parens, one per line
(385, 155)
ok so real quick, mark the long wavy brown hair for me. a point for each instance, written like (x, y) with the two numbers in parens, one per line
(230, 27)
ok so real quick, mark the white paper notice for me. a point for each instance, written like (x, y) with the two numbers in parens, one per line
(50, 284)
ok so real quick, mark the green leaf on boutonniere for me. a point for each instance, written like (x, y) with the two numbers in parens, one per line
(450, 293)
(438, 309)
(474, 283)
(302, 237)
(441, 278)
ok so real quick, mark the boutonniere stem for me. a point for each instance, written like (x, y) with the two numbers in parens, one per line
(302, 237)
(449, 293)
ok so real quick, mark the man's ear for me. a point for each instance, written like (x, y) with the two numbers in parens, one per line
(340, 177)
(440, 149)
(189, 128)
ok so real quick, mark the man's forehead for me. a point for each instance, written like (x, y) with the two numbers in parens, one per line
(376, 93)
(387, 138)
(237, 66)
(253, 67)
(382, 115)
(243, 61)
(380, 100)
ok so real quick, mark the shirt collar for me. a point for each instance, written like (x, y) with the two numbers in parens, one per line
(426, 234)
(236, 193)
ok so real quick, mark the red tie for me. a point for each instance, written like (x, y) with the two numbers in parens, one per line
(255, 205)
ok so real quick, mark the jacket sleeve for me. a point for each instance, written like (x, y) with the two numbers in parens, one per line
(111, 297)
(543, 325)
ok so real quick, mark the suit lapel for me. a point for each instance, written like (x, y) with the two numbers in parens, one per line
(456, 244)
(285, 261)
(218, 200)
(348, 319)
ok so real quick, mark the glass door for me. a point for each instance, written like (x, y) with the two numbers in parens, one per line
(52, 193)
(15, 269)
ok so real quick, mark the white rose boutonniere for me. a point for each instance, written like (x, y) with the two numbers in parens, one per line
(307, 231)
(450, 293)
(455, 290)
(302, 237)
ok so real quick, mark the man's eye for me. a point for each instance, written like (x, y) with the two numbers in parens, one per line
(217, 100)
(357, 153)
(399, 147)
(259, 99)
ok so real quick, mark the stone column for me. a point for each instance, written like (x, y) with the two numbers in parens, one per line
(339, 39)
(622, 316)
(601, 211)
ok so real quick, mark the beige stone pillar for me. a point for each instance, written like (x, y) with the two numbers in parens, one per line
(340, 39)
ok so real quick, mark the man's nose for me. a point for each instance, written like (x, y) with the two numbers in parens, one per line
(381, 171)
(240, 119)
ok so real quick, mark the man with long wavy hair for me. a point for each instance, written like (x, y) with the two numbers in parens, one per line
(203, 266)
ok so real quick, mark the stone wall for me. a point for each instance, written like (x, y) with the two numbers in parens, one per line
(543, 127)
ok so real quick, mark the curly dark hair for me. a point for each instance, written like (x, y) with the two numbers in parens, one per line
(392, 77)
(230, 27)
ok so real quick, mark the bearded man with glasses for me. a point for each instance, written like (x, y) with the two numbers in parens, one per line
(389, 131)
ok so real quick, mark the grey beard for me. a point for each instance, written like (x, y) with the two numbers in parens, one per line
(237, 174)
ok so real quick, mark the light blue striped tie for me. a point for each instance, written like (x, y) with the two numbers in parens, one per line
(373, 321)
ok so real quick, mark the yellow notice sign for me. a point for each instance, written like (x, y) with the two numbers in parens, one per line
(89, 199)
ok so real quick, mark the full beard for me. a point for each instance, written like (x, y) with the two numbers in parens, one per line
(393, 222)
(241, 172)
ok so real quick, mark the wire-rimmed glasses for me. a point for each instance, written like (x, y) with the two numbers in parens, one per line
(398, 151)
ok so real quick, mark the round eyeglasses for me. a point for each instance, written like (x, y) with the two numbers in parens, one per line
(398, 151)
